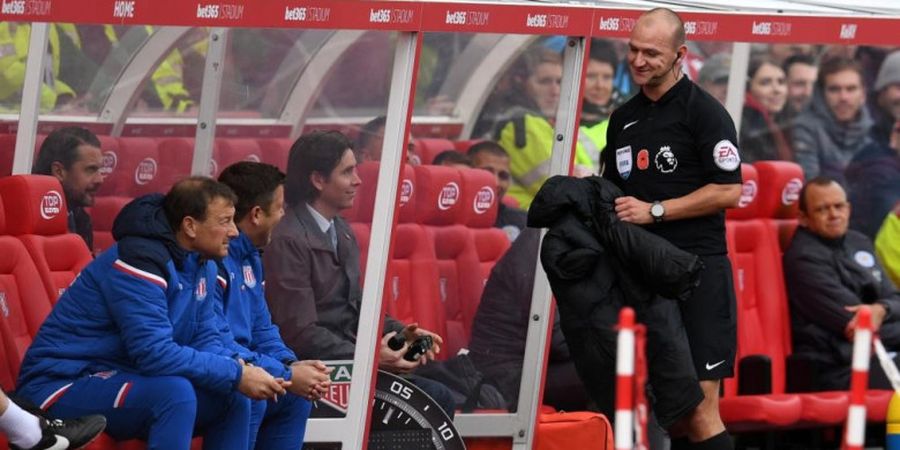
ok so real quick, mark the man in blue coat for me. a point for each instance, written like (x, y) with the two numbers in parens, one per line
(244, 316)
(135, 338)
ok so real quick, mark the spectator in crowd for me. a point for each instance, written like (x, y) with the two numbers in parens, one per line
(761, 138)
(312, 264)
(600, 99)
(831, 271)
(873, 179)
(836, 126)
(135, 338)
(452, 158)
(887, 245)
(26, 431)
(241, 307)
(501, 324)
(887, 99)
(801, 72)
(713, 75)
(527, 132)
(14, 38)
(73, 156)
(490, 156)
(370, 141)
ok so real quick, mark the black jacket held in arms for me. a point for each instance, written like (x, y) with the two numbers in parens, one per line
(596, 264)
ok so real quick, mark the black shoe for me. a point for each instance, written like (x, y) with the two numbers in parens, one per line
(68, 434)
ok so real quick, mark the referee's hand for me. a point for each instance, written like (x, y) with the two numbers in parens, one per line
(632, 210)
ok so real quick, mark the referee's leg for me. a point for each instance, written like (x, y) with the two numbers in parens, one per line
(710, 319)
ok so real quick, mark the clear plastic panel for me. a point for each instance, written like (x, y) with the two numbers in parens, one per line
(485, 255)
(14, 37)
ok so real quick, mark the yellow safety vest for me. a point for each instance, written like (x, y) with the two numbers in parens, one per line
(168, 78)
(529, 163)
(13, 56)
(593, 139)
(887, 247)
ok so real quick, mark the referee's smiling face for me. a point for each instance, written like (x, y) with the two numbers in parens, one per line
(651, 52)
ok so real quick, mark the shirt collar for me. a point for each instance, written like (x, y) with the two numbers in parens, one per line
(241, 247)
(323, 223)
(680, 85)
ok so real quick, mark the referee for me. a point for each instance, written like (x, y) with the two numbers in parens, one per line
(671, 150)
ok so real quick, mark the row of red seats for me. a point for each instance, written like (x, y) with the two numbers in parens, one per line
(758, 397)
(444, 245)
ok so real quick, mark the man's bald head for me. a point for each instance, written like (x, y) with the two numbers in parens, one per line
(669, 18)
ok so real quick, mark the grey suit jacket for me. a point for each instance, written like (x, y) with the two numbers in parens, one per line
(314, 294)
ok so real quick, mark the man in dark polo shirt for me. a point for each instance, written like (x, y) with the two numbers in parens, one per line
(671, 150)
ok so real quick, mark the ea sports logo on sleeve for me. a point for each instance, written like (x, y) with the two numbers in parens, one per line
(109, 163)
(791, 191)
(145, 171)
(484, 199)
(51, 205)
(748, 193)
(449, 196)
(406, 191)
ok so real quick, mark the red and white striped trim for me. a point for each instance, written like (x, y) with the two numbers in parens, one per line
(120, 397)
(624, 438)
(855, 436)
(222, 281)
(52, 398)
(142, 274)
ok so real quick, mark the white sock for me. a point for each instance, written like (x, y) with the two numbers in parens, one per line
(22, 428)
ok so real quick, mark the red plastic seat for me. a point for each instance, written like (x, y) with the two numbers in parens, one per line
(176, 156)
(275, 151)
(137, 168)
(428, 148)
(232, 150)
(464, 145)
(103, 214)
(41, 225)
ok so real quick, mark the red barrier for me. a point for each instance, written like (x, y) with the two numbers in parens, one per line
(855, 435)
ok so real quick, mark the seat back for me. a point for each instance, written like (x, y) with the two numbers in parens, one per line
(428, 148)
(41, 225)
(748, 206)
(412, 293)
(275, 151)
(138, 169)
(104, 214)
(232, 150)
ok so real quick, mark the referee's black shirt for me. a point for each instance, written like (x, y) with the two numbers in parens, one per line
(669, 148)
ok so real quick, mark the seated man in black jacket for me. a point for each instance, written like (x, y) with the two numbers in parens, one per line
(830, 271)
(500, 327)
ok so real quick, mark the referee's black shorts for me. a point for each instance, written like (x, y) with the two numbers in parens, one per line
(710, 320)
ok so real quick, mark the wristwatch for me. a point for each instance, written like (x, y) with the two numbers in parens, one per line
(657, 211)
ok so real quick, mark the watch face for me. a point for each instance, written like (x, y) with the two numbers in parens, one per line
(403, 412)
(657, 210)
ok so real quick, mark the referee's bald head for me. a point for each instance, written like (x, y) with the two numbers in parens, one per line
(669, 18)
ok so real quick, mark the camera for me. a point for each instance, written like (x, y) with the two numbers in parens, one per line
(416, 350)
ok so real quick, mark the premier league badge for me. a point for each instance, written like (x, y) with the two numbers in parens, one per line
(623, 161)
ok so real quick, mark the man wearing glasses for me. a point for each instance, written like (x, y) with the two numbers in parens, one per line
(831, 271)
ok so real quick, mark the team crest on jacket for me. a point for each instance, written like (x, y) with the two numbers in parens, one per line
(201, 289)
(623, 161)
(249, 278)
(665, 160)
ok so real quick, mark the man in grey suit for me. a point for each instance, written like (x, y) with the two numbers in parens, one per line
(312, 264)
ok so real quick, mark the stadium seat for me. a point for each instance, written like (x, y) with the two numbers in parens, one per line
(231, 150)
(464, 145)
(7, 151)
(412, 293)
(479, 208)
(109, 146)
(275, 151)
(41, 225)
(103, 214)
(428, 148)
(755, 398)
(176, 156)
(137, 168)
(439, 205)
